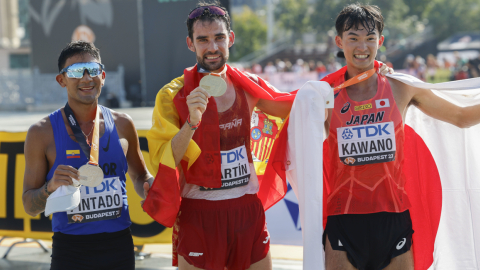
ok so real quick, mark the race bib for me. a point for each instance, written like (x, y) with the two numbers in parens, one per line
(366, 144)
(235, 169)
(102, 202)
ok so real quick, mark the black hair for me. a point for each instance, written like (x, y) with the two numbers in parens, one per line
(208, 17)
(77, 47)
(355, 15)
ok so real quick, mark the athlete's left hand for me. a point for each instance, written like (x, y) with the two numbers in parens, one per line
(384, 69)
(146, 188)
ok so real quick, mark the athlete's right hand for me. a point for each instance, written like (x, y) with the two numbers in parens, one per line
(62, 177)
(197, 104)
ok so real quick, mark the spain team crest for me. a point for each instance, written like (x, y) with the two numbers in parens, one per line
(263, 131)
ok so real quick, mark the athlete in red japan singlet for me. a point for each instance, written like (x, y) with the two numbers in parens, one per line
(365, 145)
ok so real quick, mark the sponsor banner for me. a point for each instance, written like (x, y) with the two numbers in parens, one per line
(367, 144)
(15, 222)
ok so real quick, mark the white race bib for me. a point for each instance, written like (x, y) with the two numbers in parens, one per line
(235, 169)
(102, 202)
(366, 144)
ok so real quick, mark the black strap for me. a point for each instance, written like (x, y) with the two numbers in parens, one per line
(77, 131)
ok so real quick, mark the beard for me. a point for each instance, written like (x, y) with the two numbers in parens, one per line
(212, 66)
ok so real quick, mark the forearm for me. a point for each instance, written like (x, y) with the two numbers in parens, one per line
(469, 116)
(180, 142)
(34, 201)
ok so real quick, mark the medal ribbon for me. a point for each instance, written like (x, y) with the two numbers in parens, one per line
(359, 78)
(92, 151)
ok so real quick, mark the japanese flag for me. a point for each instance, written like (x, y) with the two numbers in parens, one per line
(382, 103)
(441, 166)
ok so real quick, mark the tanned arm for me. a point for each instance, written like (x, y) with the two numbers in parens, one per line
(137, 169)
(197, 102)
(276, 108)
(439, 108)
(36, 168)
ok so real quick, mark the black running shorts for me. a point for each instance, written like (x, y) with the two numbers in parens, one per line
(94, 251)
(370, 240)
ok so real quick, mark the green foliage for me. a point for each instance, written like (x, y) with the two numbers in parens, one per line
(294, 15)
(398, 20)
(450, 17)
(250, 33)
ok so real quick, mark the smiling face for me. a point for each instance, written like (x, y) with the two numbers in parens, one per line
(85, 90)
(211, 43)
(360, 47)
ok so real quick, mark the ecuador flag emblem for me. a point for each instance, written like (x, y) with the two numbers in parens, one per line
(73, 154)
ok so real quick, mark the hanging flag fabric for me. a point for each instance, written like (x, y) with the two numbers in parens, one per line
(201, 162)
(439, 165)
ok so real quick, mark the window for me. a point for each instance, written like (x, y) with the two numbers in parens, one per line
(18, 61)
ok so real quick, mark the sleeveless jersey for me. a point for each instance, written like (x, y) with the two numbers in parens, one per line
(238, 171)
(105, 207)
(364, 168)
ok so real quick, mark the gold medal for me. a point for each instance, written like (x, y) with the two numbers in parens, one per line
(214, 85)
(90, 175)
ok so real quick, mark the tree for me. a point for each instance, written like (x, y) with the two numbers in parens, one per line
(294, 15)
(450, 17)
(250, 33)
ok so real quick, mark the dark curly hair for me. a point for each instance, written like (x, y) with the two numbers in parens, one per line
(77, 47)
(208, 17)
(355, 15)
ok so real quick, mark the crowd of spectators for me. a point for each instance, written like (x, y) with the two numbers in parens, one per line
(299, 66)
(430, 69)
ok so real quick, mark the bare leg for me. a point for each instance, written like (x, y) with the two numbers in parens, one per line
(263, 264)
(402, 262)
(184, 265)
(336, 259)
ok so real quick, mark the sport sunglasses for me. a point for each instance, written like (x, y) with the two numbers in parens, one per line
(215, 10)
(78, 69)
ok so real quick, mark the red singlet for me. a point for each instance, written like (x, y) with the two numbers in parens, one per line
(364, 168)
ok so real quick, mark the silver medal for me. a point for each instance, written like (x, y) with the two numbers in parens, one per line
(90, 175)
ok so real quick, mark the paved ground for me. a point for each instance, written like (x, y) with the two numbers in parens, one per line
(31, 257)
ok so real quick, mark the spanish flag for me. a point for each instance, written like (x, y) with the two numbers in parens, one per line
(202, 160)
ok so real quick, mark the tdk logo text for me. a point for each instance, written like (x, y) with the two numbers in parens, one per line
(107, 186)
(234, 155)
(366, 131)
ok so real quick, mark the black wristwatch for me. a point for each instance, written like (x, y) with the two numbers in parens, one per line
(46, 189)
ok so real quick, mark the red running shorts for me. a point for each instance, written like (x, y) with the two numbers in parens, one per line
(213, 235)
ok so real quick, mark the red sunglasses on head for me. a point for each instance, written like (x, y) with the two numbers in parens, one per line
(215, 10)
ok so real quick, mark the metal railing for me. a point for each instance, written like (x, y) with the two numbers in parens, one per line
(31, 90)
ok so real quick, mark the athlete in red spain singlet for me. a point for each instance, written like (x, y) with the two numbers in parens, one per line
(368, 224)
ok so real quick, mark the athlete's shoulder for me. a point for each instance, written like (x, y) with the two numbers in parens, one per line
(123, 122)
(41, 132)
